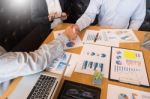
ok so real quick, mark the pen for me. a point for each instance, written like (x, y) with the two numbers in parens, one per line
(96, 37)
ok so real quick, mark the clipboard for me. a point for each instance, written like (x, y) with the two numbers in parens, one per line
(122, 68)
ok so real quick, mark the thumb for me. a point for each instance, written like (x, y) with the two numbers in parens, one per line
(73, 29)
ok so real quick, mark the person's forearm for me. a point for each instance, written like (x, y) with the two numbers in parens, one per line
(14, 64)
(138, 16)
(84, 21)
(135, 24)
(89, 15)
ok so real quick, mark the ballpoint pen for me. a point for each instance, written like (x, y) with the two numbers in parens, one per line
(96, 37)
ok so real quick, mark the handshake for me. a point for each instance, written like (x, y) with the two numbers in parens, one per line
(72, 31)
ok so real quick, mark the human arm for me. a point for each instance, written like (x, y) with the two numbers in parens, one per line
(138, 16)
(89, 16)
(14, 64)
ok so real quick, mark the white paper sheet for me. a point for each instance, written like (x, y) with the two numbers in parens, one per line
(128, 66)
(67, 59)
(105, 43)
(71, 44)
(72, 64)
(117, 92)
(109, 37)
(123, 35)
(94, 57)
(102, 39)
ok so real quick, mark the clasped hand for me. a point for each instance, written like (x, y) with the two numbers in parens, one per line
(56, 15)
(71, 32)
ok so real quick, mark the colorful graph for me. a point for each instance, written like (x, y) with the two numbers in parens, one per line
(125, 69)
(130, 55)
(128, 64)
(123, 96)
(92, 65)
(91, 37)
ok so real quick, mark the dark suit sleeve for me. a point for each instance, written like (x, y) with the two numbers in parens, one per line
(39, 12)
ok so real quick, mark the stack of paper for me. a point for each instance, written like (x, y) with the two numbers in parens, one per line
(116, 92)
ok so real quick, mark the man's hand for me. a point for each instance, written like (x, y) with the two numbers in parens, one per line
(77, 29)
(71, 32)
(63, 16)
(51, 16)
(56, 15)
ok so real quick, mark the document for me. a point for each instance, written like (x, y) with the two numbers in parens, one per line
(124, 35)
(72, 64)
(100, 38)
(117, 92)
(67, 59)
(94, 57)
(128, 66)
(71, 44)
(109, 37)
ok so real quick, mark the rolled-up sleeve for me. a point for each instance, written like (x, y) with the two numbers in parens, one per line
(88, 17)
(138, 16)
(14, 64)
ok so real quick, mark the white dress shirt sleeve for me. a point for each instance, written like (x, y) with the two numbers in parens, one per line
(54, 7)
(138, 16)
(89, 16)
(14, 64)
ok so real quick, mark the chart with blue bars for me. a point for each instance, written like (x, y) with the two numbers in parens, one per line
(92, 65)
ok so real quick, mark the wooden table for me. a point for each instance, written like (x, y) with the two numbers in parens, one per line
(87, 79)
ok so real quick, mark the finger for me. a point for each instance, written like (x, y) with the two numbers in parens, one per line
(74, 37)
(59, 14)
(55, 15)
(63, 14)
(73, 29)
(49, 18)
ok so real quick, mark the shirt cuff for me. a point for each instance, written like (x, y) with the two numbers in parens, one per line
(63, 38)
